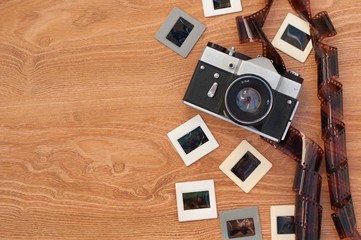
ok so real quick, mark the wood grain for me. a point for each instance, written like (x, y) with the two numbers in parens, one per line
(87, 96)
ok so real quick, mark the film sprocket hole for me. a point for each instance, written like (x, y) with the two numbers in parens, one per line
(248, 92)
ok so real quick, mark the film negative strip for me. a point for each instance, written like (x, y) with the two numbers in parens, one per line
(308, 215)
(339, 187)
(307, 183)
(345, 222)
(333, 129)
(308, 155)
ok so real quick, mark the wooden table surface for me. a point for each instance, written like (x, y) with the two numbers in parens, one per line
(87, 97)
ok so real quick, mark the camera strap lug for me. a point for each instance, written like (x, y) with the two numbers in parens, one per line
(232, 50)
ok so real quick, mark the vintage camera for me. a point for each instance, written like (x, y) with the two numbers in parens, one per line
(248, 92)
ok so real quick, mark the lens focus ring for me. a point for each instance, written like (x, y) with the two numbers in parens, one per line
(248, 99)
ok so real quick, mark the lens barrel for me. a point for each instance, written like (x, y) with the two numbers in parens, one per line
(248, 99)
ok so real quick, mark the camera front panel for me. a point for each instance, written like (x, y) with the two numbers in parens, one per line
(204, 77)
(280, 117)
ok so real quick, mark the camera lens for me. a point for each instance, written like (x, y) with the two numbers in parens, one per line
(248, 99)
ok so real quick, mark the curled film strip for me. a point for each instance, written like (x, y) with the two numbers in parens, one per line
(307, 183)
(333, 129)
(308, 155)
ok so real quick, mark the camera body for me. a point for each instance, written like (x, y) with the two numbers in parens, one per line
(248, 92)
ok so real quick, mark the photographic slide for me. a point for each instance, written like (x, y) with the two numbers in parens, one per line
(219, 7)
(193, 140)
(180, 31)
(240, 228)
(286, 225)
(241, 223)
(282, 222)
(293, 38)
(219, 4)
(296, 37)
(245, 166)
(196, 200)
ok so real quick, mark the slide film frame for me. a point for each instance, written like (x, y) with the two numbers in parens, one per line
(345, 221)
(244, 214)
(282, 211)
(194, 126)
(307, 183)
(308, 215)
(283, 41)
(192, 37)
(185, 189)
(236, 156)
(210, 9)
